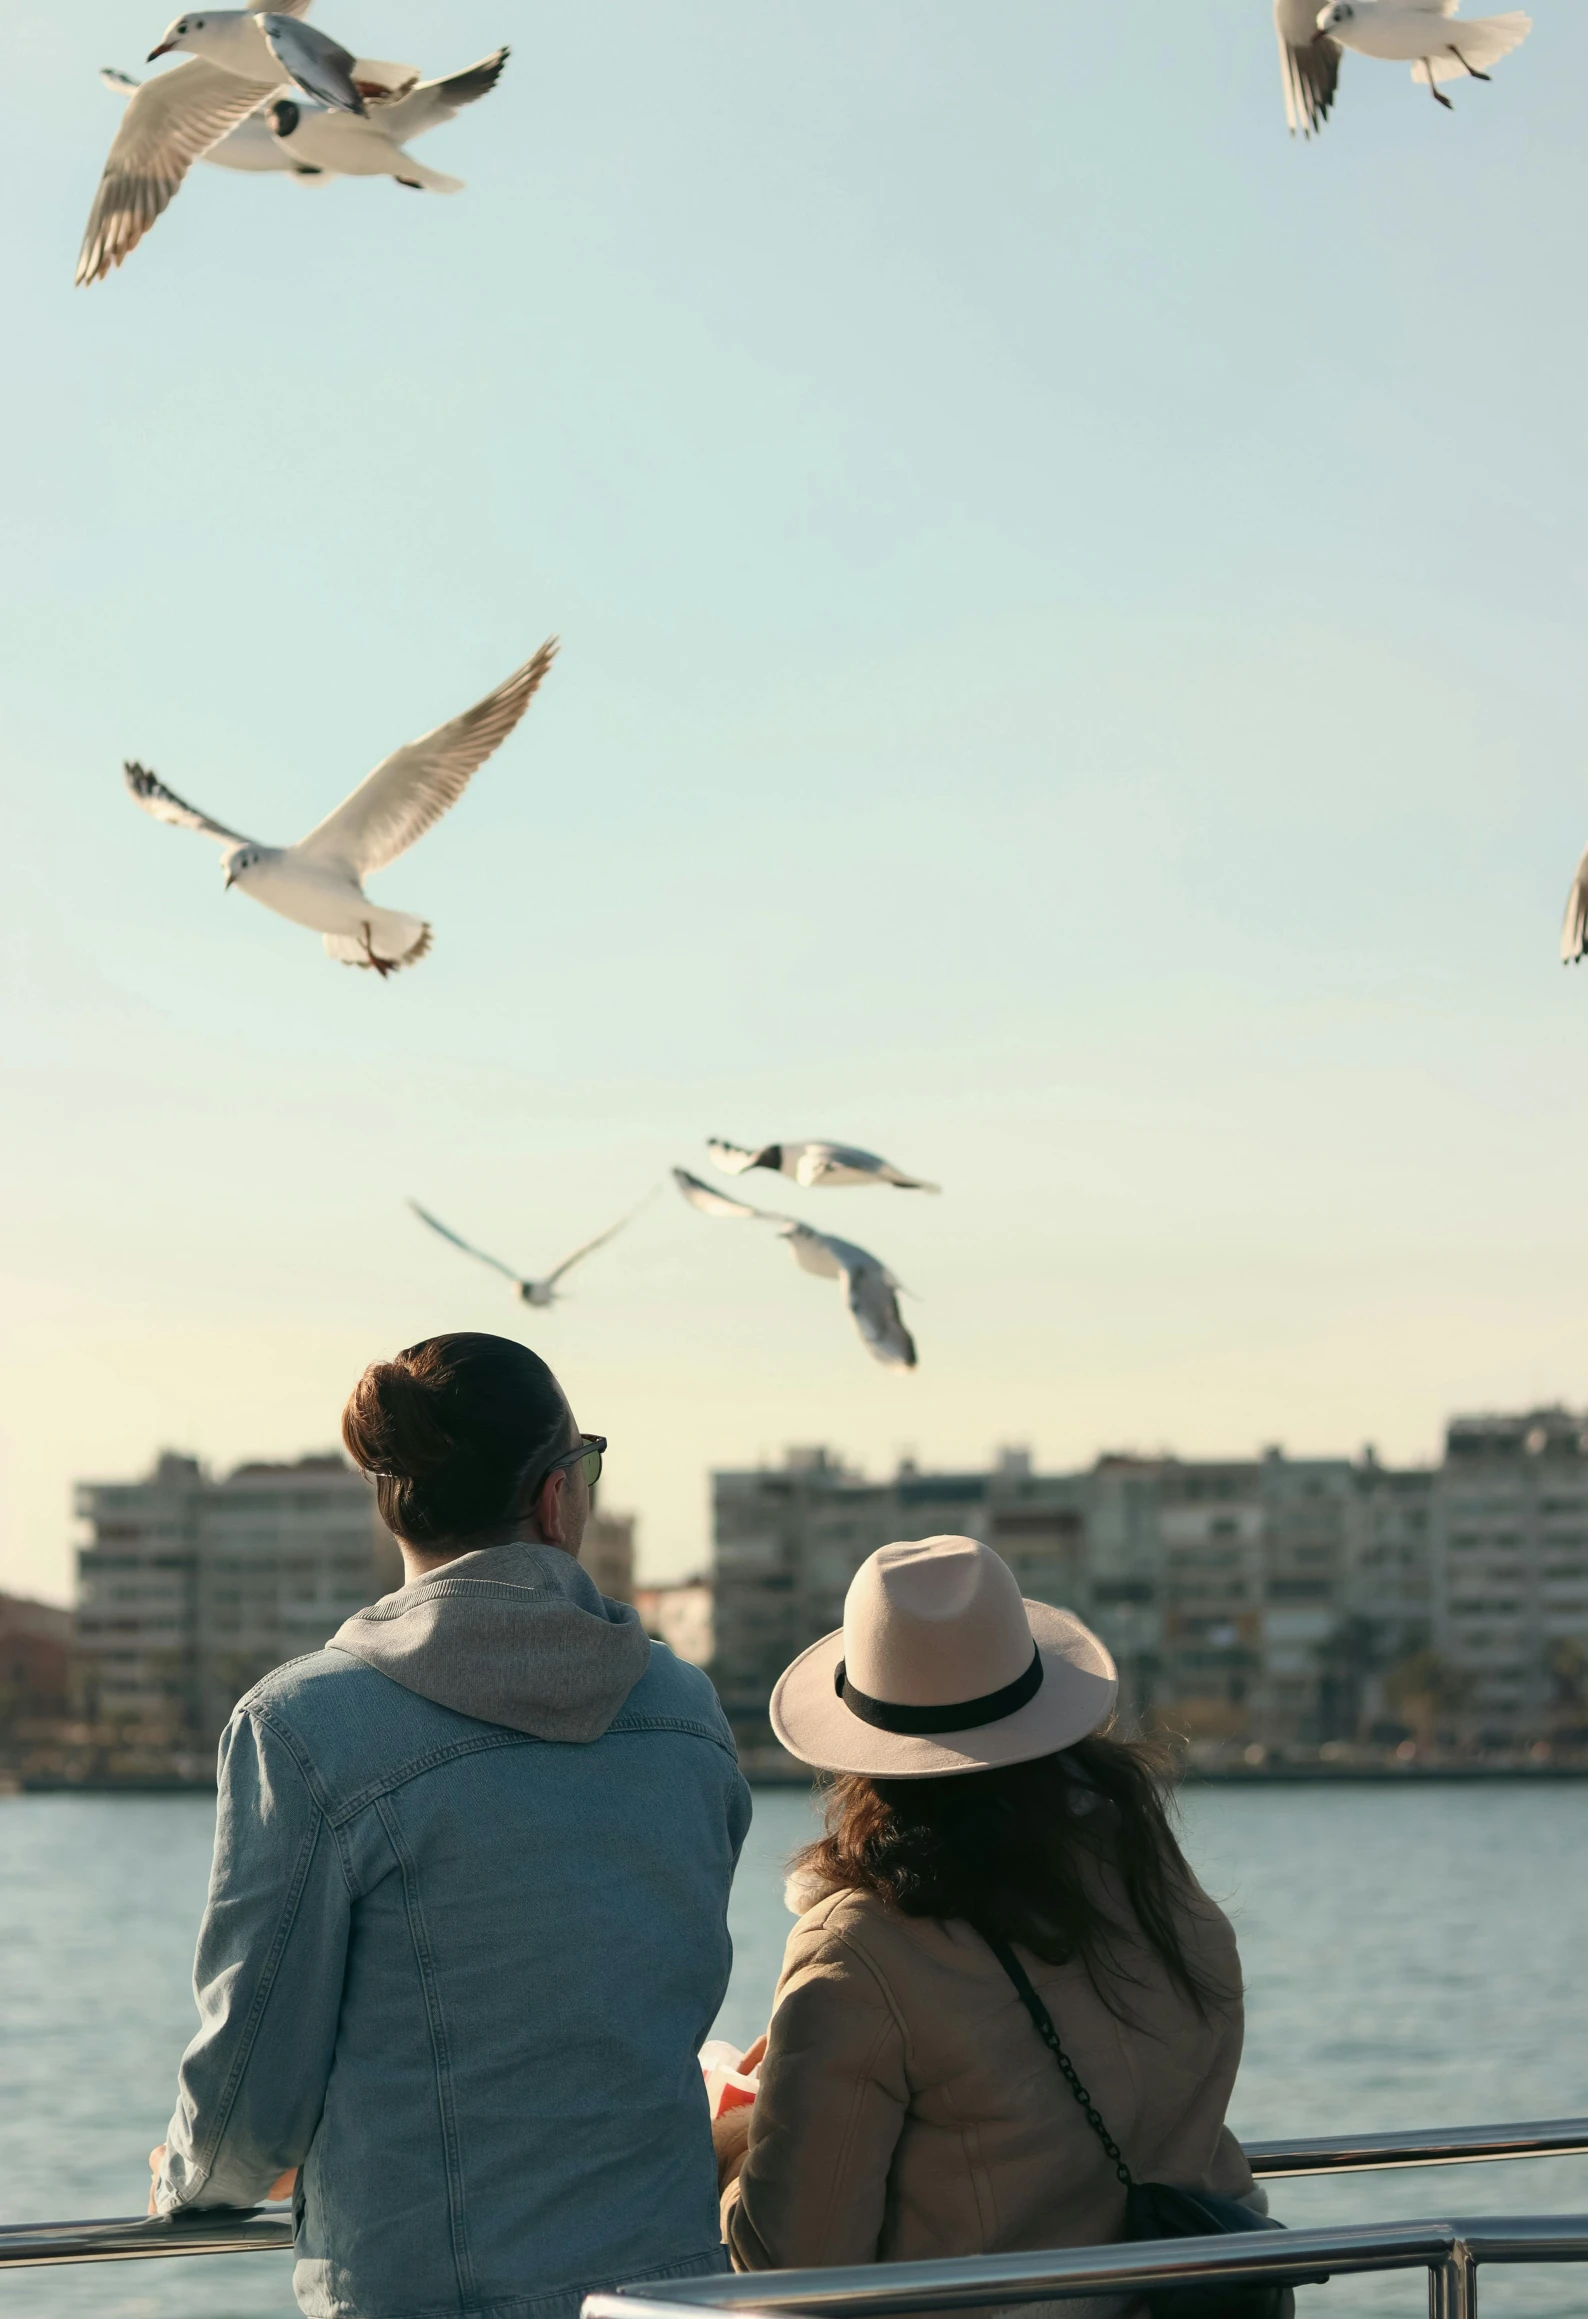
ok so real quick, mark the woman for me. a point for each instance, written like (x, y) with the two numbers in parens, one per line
(908, 2106)
(467, 1919)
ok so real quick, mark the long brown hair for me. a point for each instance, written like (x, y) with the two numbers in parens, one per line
(1015, 1851)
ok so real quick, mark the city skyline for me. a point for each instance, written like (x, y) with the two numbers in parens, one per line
(1026, 706)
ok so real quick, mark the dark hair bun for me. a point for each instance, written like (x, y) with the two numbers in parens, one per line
(392, 1424)
(451, 1430)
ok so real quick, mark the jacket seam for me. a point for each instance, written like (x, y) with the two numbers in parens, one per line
(256, 2011)
(294, 1746)
(851, 2127)
(304, 1659)
(432, 1760)
(839, 1934)
(418, 1933)
(437, 1757)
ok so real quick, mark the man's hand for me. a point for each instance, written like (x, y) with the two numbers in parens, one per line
(283, 2186)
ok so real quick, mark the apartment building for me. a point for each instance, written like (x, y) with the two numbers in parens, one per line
(679, 1614)
(1509, 1579)
(190, 1588)
(1277, 1600)
(608, 1554)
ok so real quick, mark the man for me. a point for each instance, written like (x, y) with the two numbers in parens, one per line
(467, 1925)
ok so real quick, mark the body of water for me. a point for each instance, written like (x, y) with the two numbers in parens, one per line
(1414, 1957)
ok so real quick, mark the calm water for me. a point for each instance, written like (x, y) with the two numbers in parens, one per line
(1412, 1959)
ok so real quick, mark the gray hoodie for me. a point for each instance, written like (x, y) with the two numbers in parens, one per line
(513, 1634)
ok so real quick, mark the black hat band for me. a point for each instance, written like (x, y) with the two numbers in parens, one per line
(957, 1715)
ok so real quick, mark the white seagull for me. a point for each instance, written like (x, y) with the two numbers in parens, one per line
(536, 1292)
(238, 60)
(309, 141)
(1309, 64)
(1574, 933)
(872, 1291)
(1428, 35)
(813, 1164)
(319, 882)
(336, 144)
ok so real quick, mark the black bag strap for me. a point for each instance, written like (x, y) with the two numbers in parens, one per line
(1050, 2038)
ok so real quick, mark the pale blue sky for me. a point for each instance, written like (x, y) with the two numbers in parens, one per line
(1072, 612)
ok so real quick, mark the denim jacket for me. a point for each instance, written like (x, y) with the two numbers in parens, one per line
(460, 1973)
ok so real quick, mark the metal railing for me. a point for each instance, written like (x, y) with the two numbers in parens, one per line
(1450, 2252)
(1440, 2146)
(268, 2230)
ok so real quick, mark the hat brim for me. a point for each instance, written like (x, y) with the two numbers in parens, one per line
(1079, 1688)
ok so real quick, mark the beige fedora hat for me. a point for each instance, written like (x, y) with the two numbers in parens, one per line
(941, 1666)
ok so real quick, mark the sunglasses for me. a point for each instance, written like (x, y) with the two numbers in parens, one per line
(587, 1457)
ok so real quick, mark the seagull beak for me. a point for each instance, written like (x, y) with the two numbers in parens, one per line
(229, 881)
(164, 49)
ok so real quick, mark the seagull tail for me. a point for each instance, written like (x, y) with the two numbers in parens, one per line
(385, 941)
(414, 173)
(1473, 44)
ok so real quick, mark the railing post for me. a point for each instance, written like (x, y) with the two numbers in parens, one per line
(1453, 2286)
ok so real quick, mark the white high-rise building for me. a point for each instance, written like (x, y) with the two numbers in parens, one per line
(1510, 1574)
(191, 1588)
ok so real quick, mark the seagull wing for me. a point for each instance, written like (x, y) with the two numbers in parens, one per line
(734, 1159)
(120, 84)
(591, 1246)
(873, 1299)
(812, 1251)
(169, 122)
(1309, 65)
(152, 794)
(329, 71)
(478, 1254)
(1574, 933)
(313, 60)
(713, 1203)
(433, 102)
(412, 789)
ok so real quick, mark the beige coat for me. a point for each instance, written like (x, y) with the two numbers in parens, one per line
(908, 2107)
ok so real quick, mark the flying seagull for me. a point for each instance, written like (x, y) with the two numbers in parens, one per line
(238, 61)
(538, 1292)
(1574, 933)
(337, 144)
(1309, 64)
(815, 1163)
(319, 882)
(1428, 35)
(292, 138)
(872, 1291)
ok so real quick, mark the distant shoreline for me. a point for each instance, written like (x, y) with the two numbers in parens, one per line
(1314, 1775)
(1280, 1775)
(1239, 1776)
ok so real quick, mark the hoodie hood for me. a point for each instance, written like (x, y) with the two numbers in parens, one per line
(511, 1634)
